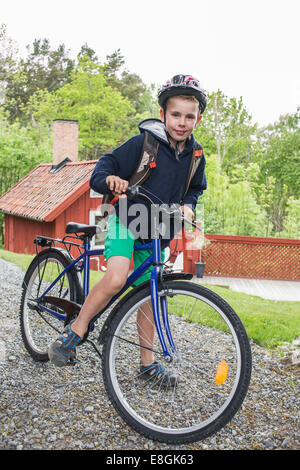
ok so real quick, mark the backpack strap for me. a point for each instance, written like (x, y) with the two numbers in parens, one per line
(146, 164)
(195, 162)
(147, 160)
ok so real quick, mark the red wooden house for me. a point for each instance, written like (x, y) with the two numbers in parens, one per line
(51, 195)
(42, 203)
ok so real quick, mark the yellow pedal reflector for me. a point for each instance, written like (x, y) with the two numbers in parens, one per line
(222, 371)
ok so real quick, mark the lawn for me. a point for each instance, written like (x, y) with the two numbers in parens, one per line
(268, 322)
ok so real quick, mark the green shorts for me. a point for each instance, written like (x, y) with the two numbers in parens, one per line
(120, 241)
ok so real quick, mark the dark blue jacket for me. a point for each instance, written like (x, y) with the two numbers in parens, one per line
(167, 179)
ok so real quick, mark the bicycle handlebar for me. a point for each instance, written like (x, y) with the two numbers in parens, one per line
(134, 191)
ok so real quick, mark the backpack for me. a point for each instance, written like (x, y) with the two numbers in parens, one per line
(146, 164)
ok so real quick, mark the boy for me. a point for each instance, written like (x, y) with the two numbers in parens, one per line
(182, 103)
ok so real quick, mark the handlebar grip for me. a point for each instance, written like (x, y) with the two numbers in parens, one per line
(132, 192)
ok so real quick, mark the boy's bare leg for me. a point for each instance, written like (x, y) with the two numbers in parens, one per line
(112, 282)
(146, 329)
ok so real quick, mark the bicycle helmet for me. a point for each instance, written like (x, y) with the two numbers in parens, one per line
(182, 85)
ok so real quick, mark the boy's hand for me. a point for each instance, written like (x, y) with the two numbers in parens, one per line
(116, 185)
(187, 212)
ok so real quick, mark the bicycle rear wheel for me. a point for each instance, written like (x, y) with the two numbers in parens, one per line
(212, 362)
(39, 328)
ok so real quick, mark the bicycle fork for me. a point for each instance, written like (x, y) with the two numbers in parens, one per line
(163, 305)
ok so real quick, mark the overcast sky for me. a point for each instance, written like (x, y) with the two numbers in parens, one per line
(247, 48)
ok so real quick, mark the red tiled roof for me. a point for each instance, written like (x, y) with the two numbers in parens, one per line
(41, 195)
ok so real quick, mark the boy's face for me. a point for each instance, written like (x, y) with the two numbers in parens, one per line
(181, 117)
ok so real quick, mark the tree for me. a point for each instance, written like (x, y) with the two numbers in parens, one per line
(292, 220)
(19, 152)
(230, 208)
(279, 160)
(8, 53)
(227, 130)
(87, 51)
(43, 69)
(8, 61)
(131, 86)
(114, 63)
(102, 112)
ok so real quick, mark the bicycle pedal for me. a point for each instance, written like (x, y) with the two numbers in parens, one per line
(73, 359)
(72, 362)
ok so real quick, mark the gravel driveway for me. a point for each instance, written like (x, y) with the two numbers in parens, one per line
(43, 407)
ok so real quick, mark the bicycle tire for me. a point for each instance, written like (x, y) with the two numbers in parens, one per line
(39, 329)
(181, 415)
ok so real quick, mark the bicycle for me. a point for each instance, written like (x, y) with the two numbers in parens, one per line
(197, 334)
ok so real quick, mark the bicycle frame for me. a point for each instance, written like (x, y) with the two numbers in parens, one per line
(154, 259)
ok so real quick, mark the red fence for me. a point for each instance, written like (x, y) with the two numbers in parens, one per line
(248, 257)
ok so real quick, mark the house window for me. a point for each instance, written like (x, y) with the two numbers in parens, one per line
(99, 239)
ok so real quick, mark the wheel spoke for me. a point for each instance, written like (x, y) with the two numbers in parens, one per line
(205, 331)
(39, 328)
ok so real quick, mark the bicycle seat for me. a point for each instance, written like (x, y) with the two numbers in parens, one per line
(73, 227)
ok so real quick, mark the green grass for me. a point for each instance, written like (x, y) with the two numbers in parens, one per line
(23, 261)
(268, 322)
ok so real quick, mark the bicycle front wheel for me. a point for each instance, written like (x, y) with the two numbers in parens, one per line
(212, 362)
(39, 328)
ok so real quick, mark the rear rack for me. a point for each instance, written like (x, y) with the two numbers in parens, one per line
(44, 241)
